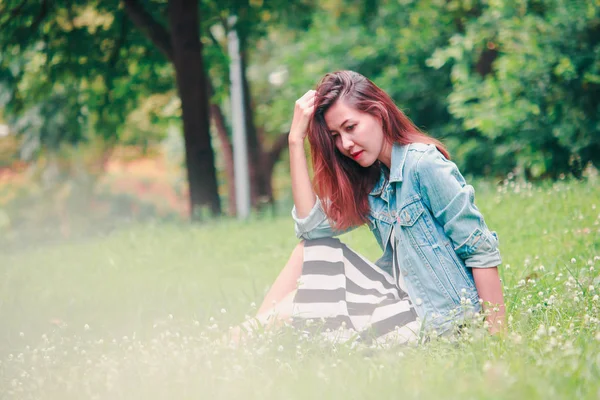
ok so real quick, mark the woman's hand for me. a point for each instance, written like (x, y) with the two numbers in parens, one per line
(303, 112)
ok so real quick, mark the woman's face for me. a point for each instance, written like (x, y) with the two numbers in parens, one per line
(358, 135)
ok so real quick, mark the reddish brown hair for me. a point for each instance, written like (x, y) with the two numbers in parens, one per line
(339, 181)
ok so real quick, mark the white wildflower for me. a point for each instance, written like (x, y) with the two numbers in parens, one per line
(541, 330)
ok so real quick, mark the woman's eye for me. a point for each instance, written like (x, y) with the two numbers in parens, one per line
(350, 128)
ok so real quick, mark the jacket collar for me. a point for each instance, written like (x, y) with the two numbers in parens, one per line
(399, 153)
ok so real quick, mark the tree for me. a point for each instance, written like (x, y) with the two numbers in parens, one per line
(93, 49)
(183, 48)
(172, 29)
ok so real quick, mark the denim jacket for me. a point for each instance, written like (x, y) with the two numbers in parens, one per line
(440, 234)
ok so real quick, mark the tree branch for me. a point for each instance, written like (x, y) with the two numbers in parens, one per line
(157, 33)
(38, 20)
(15, 11)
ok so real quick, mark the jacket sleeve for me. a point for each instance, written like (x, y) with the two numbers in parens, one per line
(451, 201)
(315, 225)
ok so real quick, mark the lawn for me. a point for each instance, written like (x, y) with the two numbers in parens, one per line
(136, 314)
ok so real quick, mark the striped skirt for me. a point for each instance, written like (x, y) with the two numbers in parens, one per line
(347, 297)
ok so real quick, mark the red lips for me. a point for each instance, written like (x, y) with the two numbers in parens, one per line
(357, 154)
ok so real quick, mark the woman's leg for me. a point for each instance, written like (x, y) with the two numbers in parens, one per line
(286, 282)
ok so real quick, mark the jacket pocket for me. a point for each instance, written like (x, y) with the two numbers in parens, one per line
(412, 219)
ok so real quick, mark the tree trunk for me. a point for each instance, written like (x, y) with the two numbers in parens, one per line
(191, 83)
(226, 148)
(268, 166)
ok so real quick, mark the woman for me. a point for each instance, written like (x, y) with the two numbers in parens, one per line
(373, 166)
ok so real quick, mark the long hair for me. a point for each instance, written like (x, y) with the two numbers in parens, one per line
(339, 181)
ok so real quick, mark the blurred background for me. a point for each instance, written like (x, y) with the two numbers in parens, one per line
(118, 111)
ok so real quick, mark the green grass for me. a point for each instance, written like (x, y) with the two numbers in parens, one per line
(135, 314)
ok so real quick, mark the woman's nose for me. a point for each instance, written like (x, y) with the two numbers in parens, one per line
(347, 144)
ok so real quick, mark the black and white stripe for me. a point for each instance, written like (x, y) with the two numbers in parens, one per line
(344, 290)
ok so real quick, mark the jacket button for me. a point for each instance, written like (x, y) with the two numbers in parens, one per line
(406, 217)
(418, 301)
(404, 272)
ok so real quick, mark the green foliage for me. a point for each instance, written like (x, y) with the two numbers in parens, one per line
(508, 85)
(525, 76)
(72, 72)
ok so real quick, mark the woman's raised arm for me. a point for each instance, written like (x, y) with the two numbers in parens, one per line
(304, 197)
